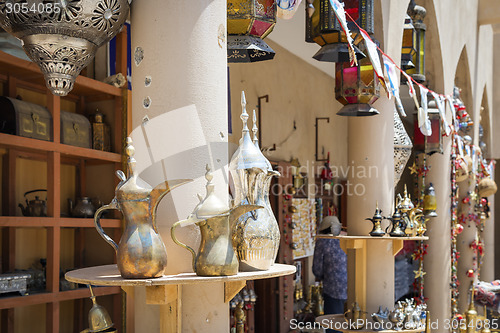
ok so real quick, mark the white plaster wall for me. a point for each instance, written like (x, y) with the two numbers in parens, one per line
(297, 92)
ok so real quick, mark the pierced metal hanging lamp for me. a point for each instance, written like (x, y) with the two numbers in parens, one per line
(62, 36)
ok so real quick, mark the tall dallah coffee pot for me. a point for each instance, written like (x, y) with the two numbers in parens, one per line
(256, 235)
(216, 255)
(141, 253)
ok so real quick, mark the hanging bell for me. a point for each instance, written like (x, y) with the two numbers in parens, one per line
(99, 319)
(430, 203)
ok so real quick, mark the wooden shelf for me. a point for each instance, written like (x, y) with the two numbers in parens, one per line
(29, 72)
(47, 222)
(359, 242)
(47, 297)
(373, 238)
(108, 275)
(166, 290)
(28, 144)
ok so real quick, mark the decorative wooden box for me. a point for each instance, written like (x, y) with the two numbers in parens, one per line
(25, 119)
(75, 130)
(15, 282)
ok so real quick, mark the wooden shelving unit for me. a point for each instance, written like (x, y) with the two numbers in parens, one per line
(16, 74)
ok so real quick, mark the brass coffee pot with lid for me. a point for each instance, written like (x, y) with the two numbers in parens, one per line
(256, 235)
(377, 223)
(398, 224)
(216, 255)
(141, 253)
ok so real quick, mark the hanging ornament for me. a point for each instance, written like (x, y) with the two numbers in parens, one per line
(62, 37)
(487, 187)
(430, 203)
(402, 147)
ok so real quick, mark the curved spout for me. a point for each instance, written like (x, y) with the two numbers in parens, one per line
(161, 190)
(236, 212)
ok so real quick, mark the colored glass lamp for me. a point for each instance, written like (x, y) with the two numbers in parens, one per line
(248, 23)
(356, 88)
(430, 202)
(408, 50)
(323, 28)
(433, 143)
(417, 14)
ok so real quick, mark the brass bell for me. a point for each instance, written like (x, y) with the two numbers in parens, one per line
(99, 319)
(430, 203)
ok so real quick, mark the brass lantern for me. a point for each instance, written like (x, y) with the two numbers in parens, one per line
(356, 87)
(323, 28)
(248, 22)
(430, 202)
(433, 143)
(417, 14)
(408, 51)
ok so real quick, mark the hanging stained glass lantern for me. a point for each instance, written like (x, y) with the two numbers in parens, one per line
(408, 49)
(62, 37)
(433, 143)
(248, 23)
(356, 87)
(417, 14)
(323, 28)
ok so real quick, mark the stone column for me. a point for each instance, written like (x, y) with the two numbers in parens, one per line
(179, 84)
(370, 179)
(437, 262)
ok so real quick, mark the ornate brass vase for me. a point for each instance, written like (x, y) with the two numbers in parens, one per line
(216, 255)
(256, 235)
(141, 253)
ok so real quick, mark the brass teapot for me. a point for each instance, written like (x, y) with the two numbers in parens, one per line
(83, 208)
(36, 207)
(141, 253)
(216, 255)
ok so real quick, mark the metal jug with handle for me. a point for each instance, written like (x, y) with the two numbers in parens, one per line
(141, 253)
(216, 255)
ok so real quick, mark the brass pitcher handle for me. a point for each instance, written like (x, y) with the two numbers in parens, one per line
(176, 241)
(97, 222)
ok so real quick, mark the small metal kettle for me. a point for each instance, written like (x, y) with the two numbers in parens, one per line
(216, 256)
(398, 224)
(36, 207)
(83, 208)
(140, 253)
(377, 223)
